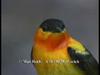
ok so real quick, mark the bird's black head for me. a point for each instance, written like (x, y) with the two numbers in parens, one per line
(52, 25)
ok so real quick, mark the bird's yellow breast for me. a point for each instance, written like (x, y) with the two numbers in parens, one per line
(48, 68)
(53, 47)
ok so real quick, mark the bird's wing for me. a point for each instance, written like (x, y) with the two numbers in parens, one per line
(31, 54)
(86, 63)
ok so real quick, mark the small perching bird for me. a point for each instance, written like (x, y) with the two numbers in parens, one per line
(59, 53)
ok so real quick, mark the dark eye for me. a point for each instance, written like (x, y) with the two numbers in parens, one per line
(45, 27)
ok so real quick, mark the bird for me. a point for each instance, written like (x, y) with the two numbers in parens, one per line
(58, 53)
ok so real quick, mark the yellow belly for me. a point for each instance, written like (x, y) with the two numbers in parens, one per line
(48, 68)
(57, 69)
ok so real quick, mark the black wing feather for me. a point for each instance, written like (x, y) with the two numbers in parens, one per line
(32, 55)
(87, 62)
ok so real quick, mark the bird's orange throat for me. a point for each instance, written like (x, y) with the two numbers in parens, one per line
(51, 41)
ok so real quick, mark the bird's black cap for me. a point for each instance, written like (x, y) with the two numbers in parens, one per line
(53, 25)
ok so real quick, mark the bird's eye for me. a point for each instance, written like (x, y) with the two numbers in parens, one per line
(45, 27)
